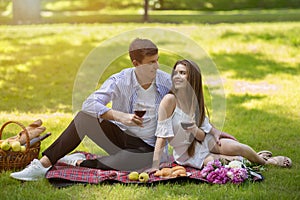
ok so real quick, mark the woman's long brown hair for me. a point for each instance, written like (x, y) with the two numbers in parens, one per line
(195, 81)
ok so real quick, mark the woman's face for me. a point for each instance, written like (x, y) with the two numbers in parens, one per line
(180, 76)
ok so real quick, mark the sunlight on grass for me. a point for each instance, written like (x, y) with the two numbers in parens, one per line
(254, 88)
(259, 65)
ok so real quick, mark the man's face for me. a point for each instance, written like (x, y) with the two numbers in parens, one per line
(148, 67)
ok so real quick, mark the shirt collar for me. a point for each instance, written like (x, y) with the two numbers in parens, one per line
(134, 79)
(158, 81)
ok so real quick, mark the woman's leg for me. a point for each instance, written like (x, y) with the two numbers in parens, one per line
(224, 158)
(233, 148)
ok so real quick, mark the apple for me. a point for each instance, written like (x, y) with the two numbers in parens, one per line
(133, 176)
(16, 146)
(143, 177)
(23, 149)
(5, 145)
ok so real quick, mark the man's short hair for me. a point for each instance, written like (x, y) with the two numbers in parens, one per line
(139, 48)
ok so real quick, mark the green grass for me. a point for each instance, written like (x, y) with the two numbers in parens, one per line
(260, 67)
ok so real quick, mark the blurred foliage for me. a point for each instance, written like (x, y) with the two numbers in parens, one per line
(72, 5)
(205, 5)
(222, 5)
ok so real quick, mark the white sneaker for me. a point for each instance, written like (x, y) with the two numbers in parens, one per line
(34, 171)
(72, 158)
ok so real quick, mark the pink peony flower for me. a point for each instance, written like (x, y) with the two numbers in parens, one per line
(215, 172)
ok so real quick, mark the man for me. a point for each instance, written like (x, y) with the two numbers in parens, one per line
(127, 138)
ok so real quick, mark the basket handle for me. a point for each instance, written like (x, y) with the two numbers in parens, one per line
(24, 129)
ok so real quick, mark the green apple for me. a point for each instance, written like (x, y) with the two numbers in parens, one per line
(143, 177)
(16, 146)
(23, 148)
(5, 145)
(133, 176)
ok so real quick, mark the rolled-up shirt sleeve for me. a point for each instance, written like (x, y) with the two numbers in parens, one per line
(97, 101)
(206, 126)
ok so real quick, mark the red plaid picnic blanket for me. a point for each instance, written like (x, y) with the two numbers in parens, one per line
(61, 171)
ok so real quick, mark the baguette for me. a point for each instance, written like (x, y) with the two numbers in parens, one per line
(171, 172)
(34, 130)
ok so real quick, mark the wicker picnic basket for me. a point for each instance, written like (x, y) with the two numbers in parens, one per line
(10, 160)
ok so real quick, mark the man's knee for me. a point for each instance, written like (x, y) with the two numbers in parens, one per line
(82, 115)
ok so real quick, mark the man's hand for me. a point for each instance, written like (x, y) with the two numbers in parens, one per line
(130, 119)
(127, 119)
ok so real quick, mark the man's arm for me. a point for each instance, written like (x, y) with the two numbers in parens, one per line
(97, 101)
(96, 104)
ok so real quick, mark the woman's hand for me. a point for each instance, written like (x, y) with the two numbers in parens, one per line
(197, 132)
(219, 134)
(192, 129)
(151, 170)
(226, 135)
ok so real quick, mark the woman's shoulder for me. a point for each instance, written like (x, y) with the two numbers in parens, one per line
(169, 99)
(168, 105)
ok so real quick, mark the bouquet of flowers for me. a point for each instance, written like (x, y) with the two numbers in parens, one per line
(235, 172)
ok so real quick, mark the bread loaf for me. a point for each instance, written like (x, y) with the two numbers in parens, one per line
(171, 172)
(34, 130)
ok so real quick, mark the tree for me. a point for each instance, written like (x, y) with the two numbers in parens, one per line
(146, 7)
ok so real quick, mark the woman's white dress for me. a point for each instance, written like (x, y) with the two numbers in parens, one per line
(180, 139)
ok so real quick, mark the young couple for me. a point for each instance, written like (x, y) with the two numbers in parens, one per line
(134, 142)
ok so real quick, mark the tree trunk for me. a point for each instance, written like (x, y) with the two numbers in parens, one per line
(26, 11)
(161, 2)
(146, 7)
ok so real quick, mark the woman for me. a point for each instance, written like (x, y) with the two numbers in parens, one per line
(200, 142)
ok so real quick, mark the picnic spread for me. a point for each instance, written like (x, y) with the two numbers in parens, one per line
(62, 174)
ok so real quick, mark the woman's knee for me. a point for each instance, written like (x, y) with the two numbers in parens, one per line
(231, 147)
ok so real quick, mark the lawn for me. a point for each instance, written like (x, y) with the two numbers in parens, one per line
(259, 64)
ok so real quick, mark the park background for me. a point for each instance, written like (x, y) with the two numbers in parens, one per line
(255, 45)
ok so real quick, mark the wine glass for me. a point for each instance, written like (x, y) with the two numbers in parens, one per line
(139, 109)
(185, 125)
(140, 113)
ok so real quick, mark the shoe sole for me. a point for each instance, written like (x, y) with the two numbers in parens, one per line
(24, 179)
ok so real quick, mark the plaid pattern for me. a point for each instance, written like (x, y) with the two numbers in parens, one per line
(95, 176)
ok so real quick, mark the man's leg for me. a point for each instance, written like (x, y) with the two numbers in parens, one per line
(126, 152)
(123, 160)
(68, 141)
(82, 125)
(63, 145)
